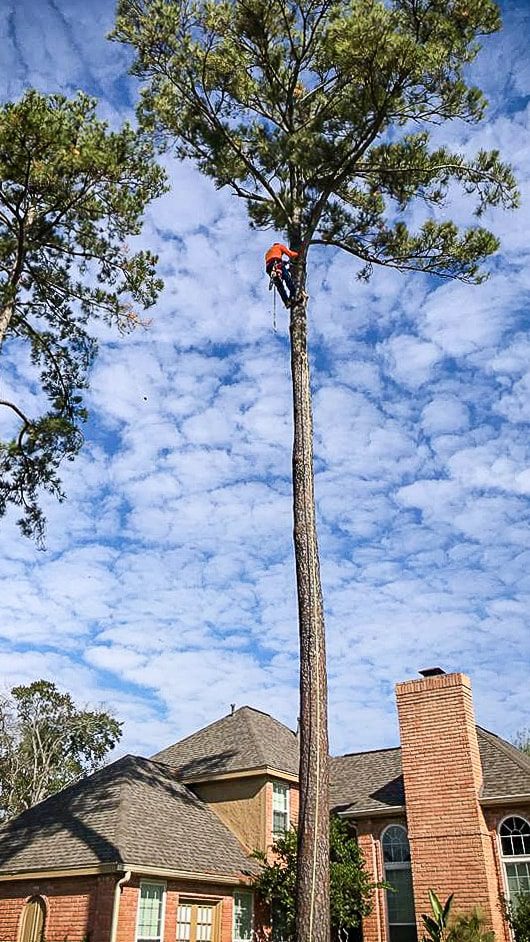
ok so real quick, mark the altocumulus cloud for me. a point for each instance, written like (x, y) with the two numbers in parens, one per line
(167, 590)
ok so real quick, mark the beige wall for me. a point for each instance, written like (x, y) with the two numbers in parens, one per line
(241, 805)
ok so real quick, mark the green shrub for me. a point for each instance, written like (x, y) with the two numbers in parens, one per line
(518, 916)
(470, 928)
(466, 927)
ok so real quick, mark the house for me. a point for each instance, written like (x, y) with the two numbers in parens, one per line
(160, 850)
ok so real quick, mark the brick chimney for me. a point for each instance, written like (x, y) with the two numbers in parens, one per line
(451, 847)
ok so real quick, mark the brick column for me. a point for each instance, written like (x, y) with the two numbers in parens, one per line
(375, 928)
(450, 844)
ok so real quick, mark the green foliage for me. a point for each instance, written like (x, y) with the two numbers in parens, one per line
(46, 743)
(466, 927)
(437, 925)
(350, 886)
(518, 915)
(318, 113)
(470, 928)
(72, 193)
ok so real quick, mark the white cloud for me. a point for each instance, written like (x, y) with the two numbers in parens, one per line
(167, 590)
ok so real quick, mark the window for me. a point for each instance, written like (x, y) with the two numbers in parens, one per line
(280, 809)
(398, 874)
(514, 835)
(150, 908)
(33, 920)
(197, 921)
(242, 917)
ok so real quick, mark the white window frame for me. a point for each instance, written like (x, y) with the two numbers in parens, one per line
(286, 810)
(250, 895)
(405, 865)
(153, 938)
(510, 858)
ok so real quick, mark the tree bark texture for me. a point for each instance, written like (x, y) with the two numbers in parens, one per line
(312, 883)
(6, 314)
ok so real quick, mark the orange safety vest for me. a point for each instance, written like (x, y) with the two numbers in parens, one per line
(276, 251)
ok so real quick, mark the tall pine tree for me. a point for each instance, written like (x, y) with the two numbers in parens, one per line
(71, 193)
(317, 114)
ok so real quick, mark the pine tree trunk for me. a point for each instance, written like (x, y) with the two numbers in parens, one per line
(5, 316)
(312, 884)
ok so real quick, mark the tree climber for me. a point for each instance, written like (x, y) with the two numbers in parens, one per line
(278, 270)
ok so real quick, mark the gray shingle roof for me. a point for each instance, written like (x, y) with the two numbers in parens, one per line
(367, 782)
(506, 769)
(245, 739)
(132, 812)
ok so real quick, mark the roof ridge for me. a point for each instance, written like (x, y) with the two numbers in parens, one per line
(124, 803)
(509, 750)
(250, 721)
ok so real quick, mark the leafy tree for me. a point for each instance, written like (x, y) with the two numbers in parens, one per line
(46, 743)
(317, 113)
(351, 888)
(71, 193)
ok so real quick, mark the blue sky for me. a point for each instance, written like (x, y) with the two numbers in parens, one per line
(167, 589)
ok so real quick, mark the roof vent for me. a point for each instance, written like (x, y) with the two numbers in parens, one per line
(232, 709)
(432, 672)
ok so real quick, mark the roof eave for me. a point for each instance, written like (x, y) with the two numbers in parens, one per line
(251, 772)
(192, 875)
(372, 812)
(44, 873)
(505, 799)
(148, 870)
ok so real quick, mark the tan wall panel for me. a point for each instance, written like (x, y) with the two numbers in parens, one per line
(241, 805)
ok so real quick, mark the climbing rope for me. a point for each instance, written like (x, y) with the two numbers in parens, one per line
(272, 287)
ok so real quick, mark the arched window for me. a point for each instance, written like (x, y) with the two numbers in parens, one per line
(514, 834)
(33, 920)
(398, 874)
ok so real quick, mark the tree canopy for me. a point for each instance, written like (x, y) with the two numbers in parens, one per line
(46, 743)
(318, 113)
(72, 193)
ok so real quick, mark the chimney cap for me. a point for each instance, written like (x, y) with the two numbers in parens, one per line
(431, 671)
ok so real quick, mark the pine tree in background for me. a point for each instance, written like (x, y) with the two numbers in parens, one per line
(71, 194)
(317, 114)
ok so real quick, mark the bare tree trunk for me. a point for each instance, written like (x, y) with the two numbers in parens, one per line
(312, 882)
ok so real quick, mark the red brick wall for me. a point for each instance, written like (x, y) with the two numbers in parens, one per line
(79, 906)
(223, 895)
(74, 906)
(451, 845)
(375, 926)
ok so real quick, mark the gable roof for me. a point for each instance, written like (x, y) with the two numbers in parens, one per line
(131, 812)
(244, 740)
(372, 782)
